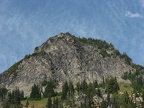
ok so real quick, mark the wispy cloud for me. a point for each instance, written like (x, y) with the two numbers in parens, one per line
(142, 2)
(22, 29)
(133, 15)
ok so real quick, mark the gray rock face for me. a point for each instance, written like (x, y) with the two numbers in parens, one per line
(62, 58)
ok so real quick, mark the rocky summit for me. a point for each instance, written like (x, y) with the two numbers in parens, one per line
(66, 57)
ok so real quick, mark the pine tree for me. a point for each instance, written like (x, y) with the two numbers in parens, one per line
(84, 86)
(95, 84)
(27, 103)
(35, 92)
(98, 92)
(3, 93)
(71, 89)
(21, 95)
(112, 86)
(49, 90)
(14, 98)
(90, 90)
(17, 100)
(49, 103)
(104, 104)
(78, 87)
(55, 103)
(6, 104)
(65, 89)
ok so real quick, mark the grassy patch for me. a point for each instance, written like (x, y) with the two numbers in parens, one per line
(125, 87)
(37, 103)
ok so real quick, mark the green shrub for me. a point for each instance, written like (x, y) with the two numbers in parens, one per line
(13, 68)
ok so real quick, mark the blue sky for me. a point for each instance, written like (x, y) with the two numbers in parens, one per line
(25, 24)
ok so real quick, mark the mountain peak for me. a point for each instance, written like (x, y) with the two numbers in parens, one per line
(65, 57)
(56, 42)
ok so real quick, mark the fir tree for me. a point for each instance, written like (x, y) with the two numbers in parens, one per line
(27, 103)
(49, 103)
(90, 90)
(49, 90)
(112, 86)
(84, 86)
(95, 84)
(35, 92)
(78, 87)
(65, 89)
(71, 89)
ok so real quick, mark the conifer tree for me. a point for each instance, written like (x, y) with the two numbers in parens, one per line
(55, 103)
(3, 93)
(95, 84)
(35, 92)
(84, 86)
(71, 89)
(49, 90)
(14, 98)
(27, 103)
(90, 90)
(49, 103)
(78, 87)
(65, 89)
(98, 92)
(112, 86)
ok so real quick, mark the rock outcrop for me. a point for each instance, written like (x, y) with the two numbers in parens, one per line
(64, 57)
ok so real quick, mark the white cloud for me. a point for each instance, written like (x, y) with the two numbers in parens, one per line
(133, 15)
(142, 2)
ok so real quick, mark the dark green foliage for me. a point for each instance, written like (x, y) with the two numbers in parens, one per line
(65, 89)
(13, 68)
(112, 85)
(49, 90)
(14, 98)
(22, 95)
(84, 86)
(49, 103)
(27, 56)
(128, 60)
(104, 53)
(78, 87)
(91, 90)
(137, 84)
(3, 93)
(101, 44)
(104, 104)
(41, 53)
(56, 103)
(116, 52)
(98, 92)
(6, 104)
(95, 84)
(130, 76)
(115, 101)
(71, 89)
(137, 67)
(126, 76)
(44, 83)
(125, 99)
(27, 103)
(35, 92)
(136, 80)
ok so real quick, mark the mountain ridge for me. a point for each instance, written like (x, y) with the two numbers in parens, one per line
(65, 57)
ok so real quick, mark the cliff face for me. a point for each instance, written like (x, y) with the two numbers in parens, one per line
(64, 57)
